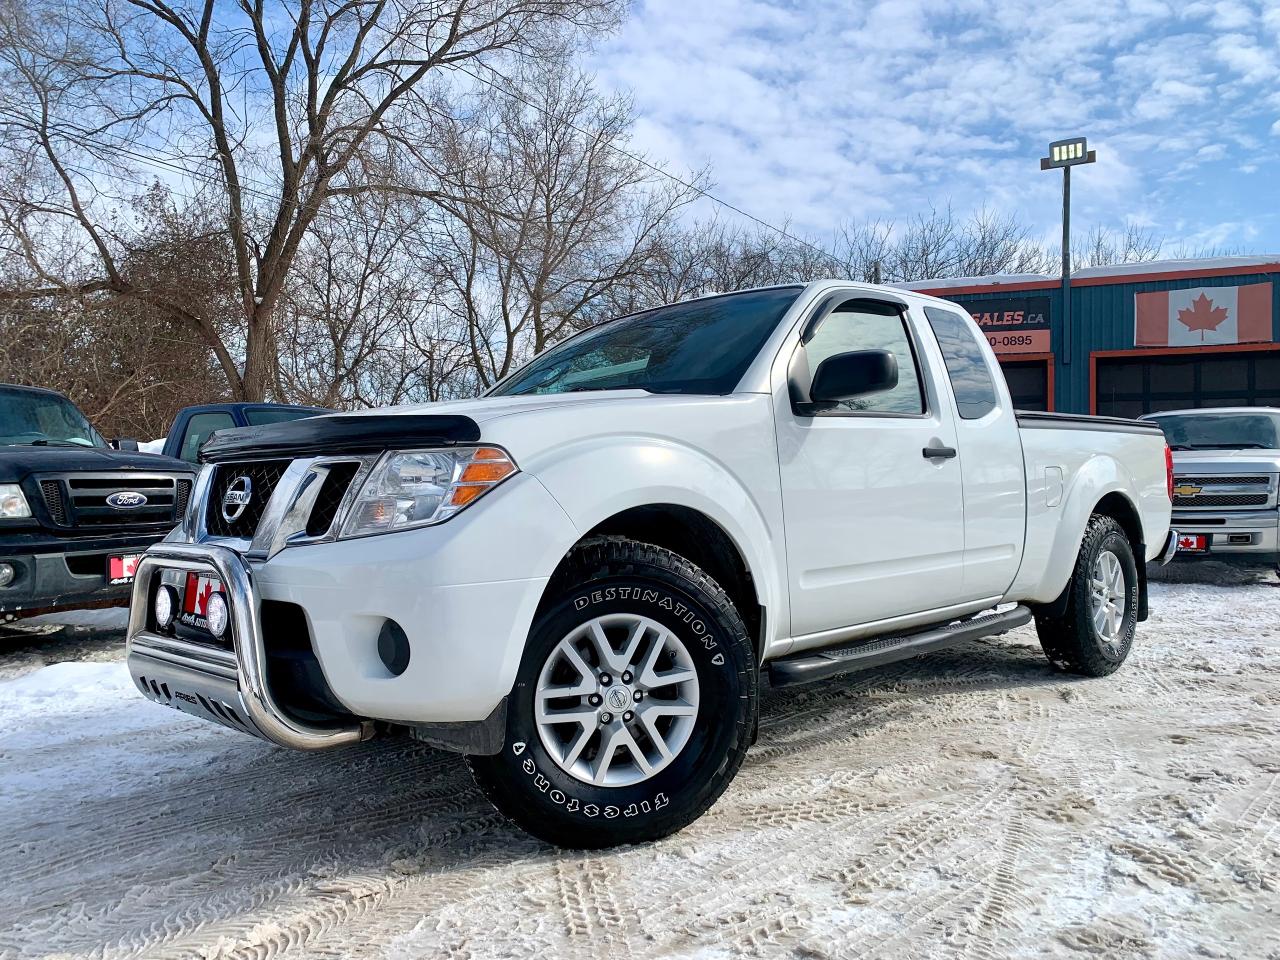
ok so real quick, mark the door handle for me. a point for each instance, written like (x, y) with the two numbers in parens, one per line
(939, 453)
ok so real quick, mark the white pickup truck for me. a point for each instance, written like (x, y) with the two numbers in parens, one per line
(577, 579)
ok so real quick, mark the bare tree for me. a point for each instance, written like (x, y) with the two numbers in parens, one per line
(937, 245)
(581, 216)
(276, 110)
(129, 369)
(1103, 248)
(347, 311)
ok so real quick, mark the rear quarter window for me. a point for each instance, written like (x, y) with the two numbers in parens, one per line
(971, 379)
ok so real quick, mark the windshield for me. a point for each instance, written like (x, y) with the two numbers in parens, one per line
(703, 346)
(1221, 431)
(39, 418)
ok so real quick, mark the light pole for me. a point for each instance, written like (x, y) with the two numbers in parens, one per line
(1067, 154)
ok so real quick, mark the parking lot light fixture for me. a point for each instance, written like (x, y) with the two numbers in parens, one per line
(1066, 154)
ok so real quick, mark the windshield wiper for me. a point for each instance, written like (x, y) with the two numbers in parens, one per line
(54, 443)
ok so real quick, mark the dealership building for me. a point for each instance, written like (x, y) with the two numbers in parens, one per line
(1143, 337)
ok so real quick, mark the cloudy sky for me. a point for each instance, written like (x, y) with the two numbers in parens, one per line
(821, 111)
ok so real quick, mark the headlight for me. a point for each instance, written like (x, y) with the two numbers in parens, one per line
(13, 504)
(414, 488)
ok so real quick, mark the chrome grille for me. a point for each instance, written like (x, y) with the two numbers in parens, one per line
(1229, 491)
(263, 474)
(1223, 500)
(290, 500)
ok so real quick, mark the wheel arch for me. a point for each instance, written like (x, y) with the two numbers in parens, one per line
(1119, 506)
(1123, 511)
(697, 537)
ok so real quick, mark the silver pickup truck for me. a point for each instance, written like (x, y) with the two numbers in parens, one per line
(1226, 464)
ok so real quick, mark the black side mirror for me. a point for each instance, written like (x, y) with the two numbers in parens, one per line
(121, 443)
(846, 376)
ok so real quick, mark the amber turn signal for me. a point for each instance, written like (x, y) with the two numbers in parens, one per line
(462, 495)
(486, 471)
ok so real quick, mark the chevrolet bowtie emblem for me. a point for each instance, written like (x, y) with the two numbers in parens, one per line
(1187, 490)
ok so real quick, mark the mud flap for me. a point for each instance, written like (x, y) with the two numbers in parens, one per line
(482, 738)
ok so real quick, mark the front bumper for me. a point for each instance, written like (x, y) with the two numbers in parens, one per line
(229, 688)
(461, 591)
(1235, 537)
(63, 574)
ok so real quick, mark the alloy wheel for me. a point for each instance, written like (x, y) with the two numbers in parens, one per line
(617, 700)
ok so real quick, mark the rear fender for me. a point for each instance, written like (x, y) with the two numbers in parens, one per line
(1097, 477)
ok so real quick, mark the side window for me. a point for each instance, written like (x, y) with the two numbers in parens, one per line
(854, 327)
(966, 366)
(198, 429)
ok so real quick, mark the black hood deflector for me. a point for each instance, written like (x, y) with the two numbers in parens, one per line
(340, 434)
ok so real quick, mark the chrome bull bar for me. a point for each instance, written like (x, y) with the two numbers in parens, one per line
(209, 682)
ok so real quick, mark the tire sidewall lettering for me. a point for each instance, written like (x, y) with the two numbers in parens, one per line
(588, 810)
(661, 600)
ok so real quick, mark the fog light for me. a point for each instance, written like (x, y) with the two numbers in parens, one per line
(216, 615)
(393, 648)
(7, 574)
(166, 605)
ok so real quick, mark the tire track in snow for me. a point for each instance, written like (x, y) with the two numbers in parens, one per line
(833, 839)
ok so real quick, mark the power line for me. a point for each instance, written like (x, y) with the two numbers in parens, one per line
(155, 161)
(246, 186)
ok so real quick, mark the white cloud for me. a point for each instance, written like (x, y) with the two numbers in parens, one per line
(823, 111)
(1241, 54)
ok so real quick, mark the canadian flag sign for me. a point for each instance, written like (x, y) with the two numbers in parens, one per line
(1203, 315)
(198, 591)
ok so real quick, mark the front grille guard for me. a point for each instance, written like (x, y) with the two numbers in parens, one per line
(197, 675)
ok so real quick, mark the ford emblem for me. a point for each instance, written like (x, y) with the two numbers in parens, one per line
(236, 500)
(126, 500)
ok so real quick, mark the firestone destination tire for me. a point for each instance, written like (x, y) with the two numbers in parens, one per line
(634, 703)
(1095, 634)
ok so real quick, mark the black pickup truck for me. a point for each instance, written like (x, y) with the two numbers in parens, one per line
(75, 513)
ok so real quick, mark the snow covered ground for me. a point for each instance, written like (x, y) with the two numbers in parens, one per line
(969, 804)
